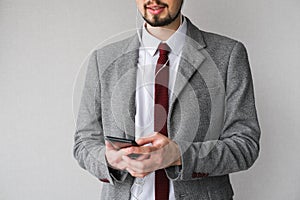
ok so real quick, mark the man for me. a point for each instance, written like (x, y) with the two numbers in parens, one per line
(186, 97)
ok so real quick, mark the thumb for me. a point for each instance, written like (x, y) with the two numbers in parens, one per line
(109, 146)
(147, 140)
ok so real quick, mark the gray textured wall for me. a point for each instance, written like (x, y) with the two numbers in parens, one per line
(42, 46)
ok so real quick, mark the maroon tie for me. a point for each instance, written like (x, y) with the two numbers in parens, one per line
(160, 114)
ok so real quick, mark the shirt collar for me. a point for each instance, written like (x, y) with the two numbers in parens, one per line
(175, 42)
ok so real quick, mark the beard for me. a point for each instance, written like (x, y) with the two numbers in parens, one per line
(156, 21)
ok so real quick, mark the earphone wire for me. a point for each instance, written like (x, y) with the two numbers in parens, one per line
(144, 48)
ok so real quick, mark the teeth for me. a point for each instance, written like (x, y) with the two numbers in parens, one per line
(156, 8)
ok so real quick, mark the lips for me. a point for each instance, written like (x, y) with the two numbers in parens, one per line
(155, 10)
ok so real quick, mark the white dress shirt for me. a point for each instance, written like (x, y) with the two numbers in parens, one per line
(144, 189)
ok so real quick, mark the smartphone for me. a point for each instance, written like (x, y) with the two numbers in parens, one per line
(119, 143)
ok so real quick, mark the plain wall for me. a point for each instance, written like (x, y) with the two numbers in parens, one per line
(42, 46)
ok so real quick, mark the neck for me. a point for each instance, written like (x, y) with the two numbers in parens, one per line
(163, 33)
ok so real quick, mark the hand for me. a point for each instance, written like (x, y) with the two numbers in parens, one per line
(114, 157)
(163, 153)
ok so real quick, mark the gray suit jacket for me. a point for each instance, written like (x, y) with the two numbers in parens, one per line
(212, 115)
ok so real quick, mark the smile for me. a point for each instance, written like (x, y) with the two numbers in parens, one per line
(155, 10)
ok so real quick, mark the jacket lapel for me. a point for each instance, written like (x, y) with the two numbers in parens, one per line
(190, 61)
(126, 87)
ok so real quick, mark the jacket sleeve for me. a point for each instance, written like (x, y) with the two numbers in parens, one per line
(238, 145)
(89, 147)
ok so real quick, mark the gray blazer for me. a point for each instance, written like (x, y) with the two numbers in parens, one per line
(212, 115)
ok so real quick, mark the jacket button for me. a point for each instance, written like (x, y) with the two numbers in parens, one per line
(194, 175)
(201, 174)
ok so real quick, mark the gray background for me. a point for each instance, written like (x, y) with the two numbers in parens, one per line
(42, 46)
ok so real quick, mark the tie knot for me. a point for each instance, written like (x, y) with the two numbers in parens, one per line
(164, 49)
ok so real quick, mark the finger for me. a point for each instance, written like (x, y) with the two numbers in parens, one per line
(125, 151)
(141, 150)
(122, 165)
(109, 146)
(144, 166)
(142, 157)
(137, 175)
(135, 165)
(147, 140)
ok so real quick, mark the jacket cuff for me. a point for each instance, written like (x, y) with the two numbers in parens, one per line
(174, 172)
(185, 171)
(110, 175)
(117, 175)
